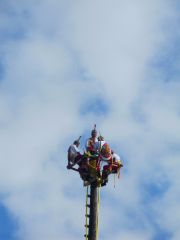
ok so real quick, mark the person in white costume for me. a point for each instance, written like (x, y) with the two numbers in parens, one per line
(74, 153)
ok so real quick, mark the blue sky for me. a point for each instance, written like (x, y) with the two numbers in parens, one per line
(8, 225)
(65, 66)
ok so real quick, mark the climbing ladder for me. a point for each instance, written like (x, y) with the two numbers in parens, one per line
(87, 215)
(92, 212)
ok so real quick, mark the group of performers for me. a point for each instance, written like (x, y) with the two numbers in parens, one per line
(97, 162)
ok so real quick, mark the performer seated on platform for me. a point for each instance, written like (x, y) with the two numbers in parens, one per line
(113, 166)
(74, 155)
(116, 162)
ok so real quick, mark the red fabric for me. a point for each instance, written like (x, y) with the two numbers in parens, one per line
(111, 166)
(91, 143)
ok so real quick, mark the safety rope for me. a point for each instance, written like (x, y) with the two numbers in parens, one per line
(118, 173)
(114, 180)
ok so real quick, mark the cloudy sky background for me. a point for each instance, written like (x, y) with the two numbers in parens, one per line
(65, 65)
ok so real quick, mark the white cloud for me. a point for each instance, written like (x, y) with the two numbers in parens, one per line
(42, 92)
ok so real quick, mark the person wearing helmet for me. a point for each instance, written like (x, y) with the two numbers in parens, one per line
(74, 154)
(90, 143)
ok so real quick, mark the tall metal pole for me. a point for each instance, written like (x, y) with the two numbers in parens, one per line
(93, 220)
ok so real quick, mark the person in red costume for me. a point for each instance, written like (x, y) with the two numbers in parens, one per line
(90, 143)
(113, 166)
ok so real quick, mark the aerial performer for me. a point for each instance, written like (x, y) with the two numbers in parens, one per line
(97, 162)
(74, 154)
(90, 143)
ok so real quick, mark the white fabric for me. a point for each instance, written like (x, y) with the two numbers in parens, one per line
(105, 159)
(72, 153)
(116, 157)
